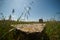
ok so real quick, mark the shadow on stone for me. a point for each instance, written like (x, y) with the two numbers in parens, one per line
(20, 35)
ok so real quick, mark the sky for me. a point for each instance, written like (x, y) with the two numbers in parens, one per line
(40, 9)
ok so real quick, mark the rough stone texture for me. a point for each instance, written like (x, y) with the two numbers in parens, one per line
(37, 27)
(33, 31)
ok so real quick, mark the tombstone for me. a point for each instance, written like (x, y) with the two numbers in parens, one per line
(40, 20)
(23, 34)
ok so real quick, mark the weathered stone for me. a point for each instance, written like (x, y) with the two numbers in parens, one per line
(37, 27)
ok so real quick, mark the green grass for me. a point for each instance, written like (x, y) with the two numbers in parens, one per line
(52, 29)
(4, 28)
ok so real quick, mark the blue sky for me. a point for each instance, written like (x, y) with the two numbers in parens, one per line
(45, 9)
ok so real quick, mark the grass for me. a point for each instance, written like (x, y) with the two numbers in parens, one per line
(4, 28)
(52, 29)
